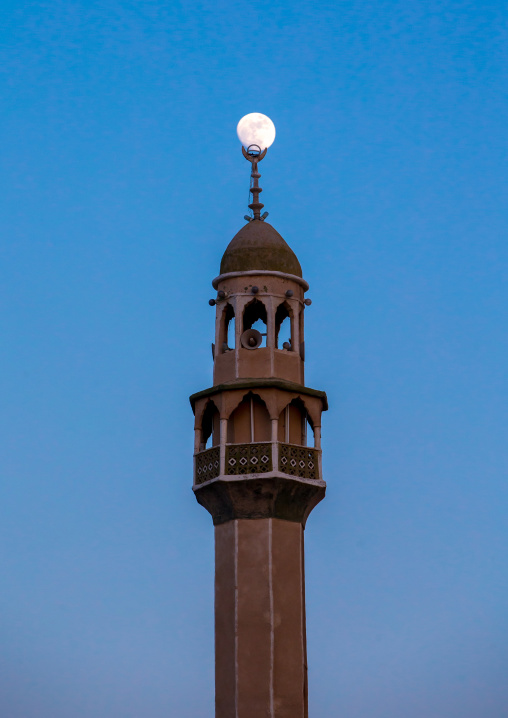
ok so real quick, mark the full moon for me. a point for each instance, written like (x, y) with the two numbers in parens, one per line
(256, 129)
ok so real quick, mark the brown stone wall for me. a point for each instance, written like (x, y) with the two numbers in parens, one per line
(245, 426)
(239, 431)
(260, 620)
(225, 620)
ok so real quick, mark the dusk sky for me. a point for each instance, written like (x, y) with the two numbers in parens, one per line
(122, 182)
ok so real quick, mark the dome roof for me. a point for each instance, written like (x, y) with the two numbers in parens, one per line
(259, 246)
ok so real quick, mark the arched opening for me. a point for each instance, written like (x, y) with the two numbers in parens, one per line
(295, 424)
(227, 329)
(283, 327)
(249, 422)
(301, 348)
(254, 317)
(210, 427)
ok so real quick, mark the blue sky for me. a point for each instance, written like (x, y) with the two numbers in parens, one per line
(122, 182)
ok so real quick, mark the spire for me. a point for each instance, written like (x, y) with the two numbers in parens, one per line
(254, 155)
(256, 132)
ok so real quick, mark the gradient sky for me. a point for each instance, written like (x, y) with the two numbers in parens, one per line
(122, 182)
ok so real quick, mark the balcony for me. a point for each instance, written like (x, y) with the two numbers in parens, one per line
(301, 462)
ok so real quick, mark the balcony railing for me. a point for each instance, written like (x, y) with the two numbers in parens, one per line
(248, 458)
(258, 458)
(300, 461)
(207, 465)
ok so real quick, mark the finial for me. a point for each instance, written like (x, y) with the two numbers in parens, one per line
(254, 155)
(256, 133)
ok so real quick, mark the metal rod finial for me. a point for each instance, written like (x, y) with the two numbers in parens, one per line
(254, 154)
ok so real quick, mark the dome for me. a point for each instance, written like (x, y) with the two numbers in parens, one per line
(259, 246)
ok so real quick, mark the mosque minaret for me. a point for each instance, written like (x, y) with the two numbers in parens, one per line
(257, 469)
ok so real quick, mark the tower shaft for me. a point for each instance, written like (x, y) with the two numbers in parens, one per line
(260, 642)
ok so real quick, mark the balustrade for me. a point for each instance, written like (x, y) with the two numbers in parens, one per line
(207, 465)
(258, 458)
(248, 458)
(300, 461)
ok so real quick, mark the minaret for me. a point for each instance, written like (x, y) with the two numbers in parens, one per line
(257, 470)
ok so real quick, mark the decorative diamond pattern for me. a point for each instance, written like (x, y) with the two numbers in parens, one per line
(298, 461)
(257, 459)
(207, 465)
(248, 458)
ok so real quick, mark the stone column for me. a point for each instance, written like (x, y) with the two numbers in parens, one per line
(275, 445)
(222, 441)
(197, 440)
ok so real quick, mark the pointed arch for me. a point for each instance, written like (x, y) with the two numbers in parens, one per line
(284, 326)
(210, 426)
(255, 317)
(250, 421)
(227, 329)
(301, 334)
(294, 421)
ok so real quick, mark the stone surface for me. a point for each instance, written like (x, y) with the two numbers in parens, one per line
(259, 246)
(260, 642)
(260, 497)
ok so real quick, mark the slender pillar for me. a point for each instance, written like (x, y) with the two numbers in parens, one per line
(222, 442)
(275, 445)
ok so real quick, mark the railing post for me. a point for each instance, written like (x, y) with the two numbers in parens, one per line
(317, 447)
(275, 445)
(222, 444)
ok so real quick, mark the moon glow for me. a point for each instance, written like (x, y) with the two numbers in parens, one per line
(256, 129)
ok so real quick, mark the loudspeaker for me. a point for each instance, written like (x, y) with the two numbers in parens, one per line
(251, 339)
